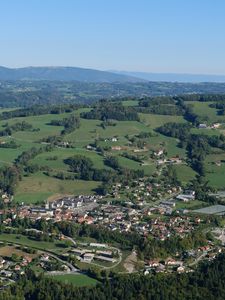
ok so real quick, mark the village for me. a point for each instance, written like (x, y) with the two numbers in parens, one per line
(155, 210)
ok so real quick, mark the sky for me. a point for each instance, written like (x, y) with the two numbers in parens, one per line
(175, 36)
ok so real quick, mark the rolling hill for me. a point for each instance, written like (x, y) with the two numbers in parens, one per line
(64, 74)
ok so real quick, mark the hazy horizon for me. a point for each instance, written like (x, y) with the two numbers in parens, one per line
(136, 36)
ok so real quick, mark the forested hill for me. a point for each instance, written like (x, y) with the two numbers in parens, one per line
(21, 93)
(64, 74)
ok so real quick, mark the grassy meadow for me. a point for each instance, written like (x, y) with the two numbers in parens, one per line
(38, 187)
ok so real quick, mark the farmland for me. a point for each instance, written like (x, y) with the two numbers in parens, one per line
(118, 138)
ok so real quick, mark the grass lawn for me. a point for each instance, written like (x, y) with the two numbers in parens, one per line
(9, 250)
(7, 156)
(77, 280)
(25, 241)
(28, 198)
(184, 173)
(39, 187)
(40, 122)
(216, 175)
(205, 131)
(154, 121)
(130, 103)
(63, 153)
(168, 143)
(195, 204)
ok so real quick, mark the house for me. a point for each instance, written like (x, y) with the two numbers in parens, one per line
(180, 269)
(106, 253)
(153, 263)
(159, 152)
(187, 196)
(168, 203)
(116, 148)
(215, 125)
(160, 268)
(114, 139)
(45, 257)
(173, 262)
(97, 245)
(175, 160)
(2, 260)
(6, 273)
(17, 268)
(202, 126)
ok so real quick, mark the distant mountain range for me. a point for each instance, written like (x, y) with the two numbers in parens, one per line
(96, 76)
(174, 77)
(64, 74)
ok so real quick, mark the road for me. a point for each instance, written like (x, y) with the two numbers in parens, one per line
(69, 265)
(197, 260)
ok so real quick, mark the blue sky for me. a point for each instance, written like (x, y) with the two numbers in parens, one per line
(184, 36)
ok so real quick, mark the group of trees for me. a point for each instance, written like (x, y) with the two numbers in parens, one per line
(197, 145)
(176, 130)
(154, 248)
(11, 144)
(70, 124)
(36, 110)
(19, 126)
(9, 177)
(106, 110)
(84, 169)
(24, 158)
(159, 105)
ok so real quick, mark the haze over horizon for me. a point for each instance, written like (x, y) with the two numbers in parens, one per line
(135, 36)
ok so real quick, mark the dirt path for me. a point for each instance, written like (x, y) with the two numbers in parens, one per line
(130, 262)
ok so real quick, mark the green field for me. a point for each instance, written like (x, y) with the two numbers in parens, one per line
(184, 173)
(154, 121)
(203, 109)
(75, 279)
(130, 103)
(39, 186)
(195, 204)
(25, 241)
(63, 153)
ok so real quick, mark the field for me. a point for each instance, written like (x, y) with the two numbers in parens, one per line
(38, 187)
(154, 121)
(215, 169)
(9, 250)
(184, 173)
(194, 204)
(202, 109)
(25, 241)
(75, 279)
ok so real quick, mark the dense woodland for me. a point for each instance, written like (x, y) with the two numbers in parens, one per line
(105, 110)
(29, 93)
(206, 283)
